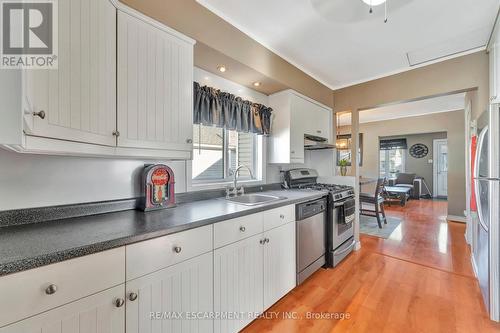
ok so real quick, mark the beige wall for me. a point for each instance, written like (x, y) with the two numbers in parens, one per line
(466, 73)
(459, 74)
(194, 20)
(422, 167)
(450, 122)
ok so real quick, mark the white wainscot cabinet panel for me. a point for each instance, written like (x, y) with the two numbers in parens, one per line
(155, 87)
(238, 278)
(174, 299)
(77, 101)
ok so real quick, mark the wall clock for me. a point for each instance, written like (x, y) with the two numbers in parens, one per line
(419, 150)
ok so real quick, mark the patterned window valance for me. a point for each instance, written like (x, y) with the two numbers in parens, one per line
(213, 107)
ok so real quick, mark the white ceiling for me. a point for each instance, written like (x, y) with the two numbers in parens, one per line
(439, 104)
(339, 43)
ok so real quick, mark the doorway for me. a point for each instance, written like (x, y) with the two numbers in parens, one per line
(440, 170)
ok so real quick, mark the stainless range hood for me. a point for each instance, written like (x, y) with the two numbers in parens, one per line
(312, 142)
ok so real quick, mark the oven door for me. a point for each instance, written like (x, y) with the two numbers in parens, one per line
(342, 226)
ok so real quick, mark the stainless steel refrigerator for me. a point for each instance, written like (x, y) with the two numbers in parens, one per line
(486, 251)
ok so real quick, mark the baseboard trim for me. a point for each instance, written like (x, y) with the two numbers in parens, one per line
(456, 218)
(474, 267)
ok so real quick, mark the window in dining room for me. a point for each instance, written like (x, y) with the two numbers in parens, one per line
(392, 157)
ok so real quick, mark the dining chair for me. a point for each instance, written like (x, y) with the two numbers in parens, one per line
(377, 200)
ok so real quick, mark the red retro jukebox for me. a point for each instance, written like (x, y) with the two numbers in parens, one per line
(157, 187)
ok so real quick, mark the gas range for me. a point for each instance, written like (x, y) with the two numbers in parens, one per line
(338, 192)
(339, 220)
(306, 179)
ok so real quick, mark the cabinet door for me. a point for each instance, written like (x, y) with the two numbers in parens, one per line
(322, 122)
(279, 263)
(175, 294)
(93, 314)
(155, 87)
(298, 124)
(78, 98)
(238, 279)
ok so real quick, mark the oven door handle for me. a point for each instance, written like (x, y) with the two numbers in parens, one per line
(346, 249)
(341, 203)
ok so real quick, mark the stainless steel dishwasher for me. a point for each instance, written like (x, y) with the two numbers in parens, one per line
(311, 240)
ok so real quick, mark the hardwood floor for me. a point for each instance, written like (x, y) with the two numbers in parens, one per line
(418, 280)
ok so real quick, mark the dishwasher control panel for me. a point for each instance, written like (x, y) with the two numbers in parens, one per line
(310, 208)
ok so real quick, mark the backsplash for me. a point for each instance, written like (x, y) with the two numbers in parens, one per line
(40, 180)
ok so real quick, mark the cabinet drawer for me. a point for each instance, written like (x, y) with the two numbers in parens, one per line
(95, 313)
(275, 217)
(233, 230)
(28, 292)
(152, 255)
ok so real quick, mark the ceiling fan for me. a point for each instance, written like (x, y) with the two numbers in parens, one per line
(373, 3)
(356, 11)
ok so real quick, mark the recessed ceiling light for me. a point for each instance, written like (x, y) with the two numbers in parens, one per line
(221, 68)
(240, 90)
(256, 84)
(206, 78)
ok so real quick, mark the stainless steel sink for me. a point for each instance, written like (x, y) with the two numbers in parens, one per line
(254, 199)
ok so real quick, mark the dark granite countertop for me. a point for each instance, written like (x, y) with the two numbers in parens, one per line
(28, 246)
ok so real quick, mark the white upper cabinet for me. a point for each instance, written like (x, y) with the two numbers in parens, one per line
(79, 98)
(494, 58)
(123, 87)
(294, 116)
(155, 86)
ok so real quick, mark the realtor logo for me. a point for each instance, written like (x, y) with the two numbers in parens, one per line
(29, 34)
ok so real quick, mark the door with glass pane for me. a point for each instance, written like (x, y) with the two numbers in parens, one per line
(441, 167)
(392, 162)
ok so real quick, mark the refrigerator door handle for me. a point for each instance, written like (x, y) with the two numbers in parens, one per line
(479, 204)
(484, 226)
(477, 178)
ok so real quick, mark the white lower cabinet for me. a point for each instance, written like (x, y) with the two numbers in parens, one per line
(100, 313)
(279, 263)
(238, 283)
(172, 299)
(186, 287)
(251, 275)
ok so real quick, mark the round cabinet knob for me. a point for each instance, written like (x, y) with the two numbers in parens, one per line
(242, 229)
(40, 114)
(177, 249)
(132, 296)
(262, 241)
(51, 289)
(119, 302)
(189, 140)
(267, 240)
(282, 216)
(292, 152)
